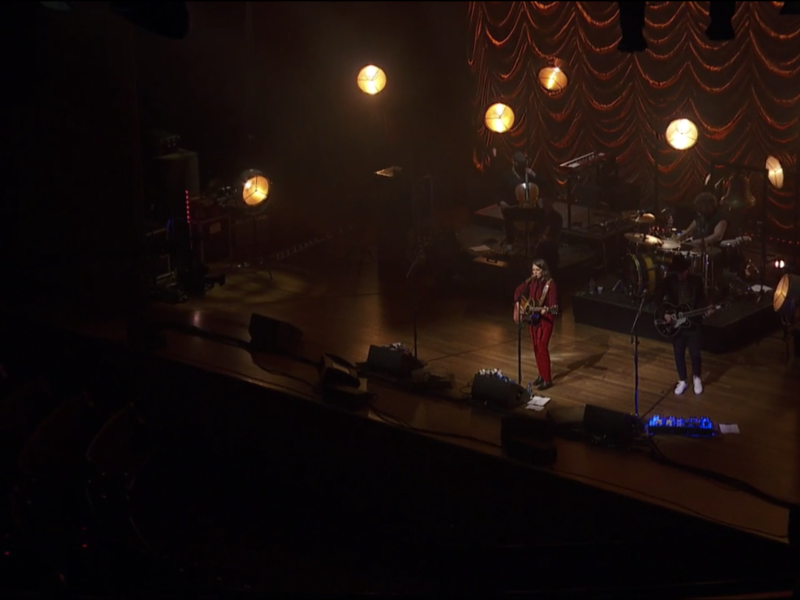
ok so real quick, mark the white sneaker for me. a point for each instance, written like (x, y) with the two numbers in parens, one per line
(698, 385)
(680, 388)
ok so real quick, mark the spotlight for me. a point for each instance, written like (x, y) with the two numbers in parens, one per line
(552, 78)
(499, 118)
(790, 8)
(255, 188)
(631, 22)
(779, 264)
(681, 134)
(371, 80)
(249, 194)
(720, 15)
(774, 172)
(787, 295)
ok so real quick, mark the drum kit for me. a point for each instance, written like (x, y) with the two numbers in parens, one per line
(651, 251)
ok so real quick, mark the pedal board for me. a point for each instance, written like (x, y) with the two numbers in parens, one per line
(685, 426)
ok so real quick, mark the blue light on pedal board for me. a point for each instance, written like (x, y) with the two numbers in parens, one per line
(687, 426)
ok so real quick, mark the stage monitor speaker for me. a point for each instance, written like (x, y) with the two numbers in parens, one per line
(496, 392)
(273, 336)
(601, 421)
(529, 439)
(392, 361)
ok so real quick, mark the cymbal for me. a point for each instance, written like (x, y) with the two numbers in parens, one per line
(642, 238)
(646, 219)
(670, 244)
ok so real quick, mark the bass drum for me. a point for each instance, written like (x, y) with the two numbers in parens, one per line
(642, 273)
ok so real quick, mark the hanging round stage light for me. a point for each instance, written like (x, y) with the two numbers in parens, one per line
(681, 134)
(552, 78)
(774, 172)
(255, 188)
(371, 80)
(786, 299)
(499, 118)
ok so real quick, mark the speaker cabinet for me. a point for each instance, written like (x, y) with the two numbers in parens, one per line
(496, 392)
(609, 423)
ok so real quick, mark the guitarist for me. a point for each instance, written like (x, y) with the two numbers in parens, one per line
(680, 287)
(542, 290)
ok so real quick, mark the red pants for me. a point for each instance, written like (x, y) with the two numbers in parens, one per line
(540, 338)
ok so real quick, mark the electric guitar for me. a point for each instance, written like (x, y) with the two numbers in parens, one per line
(681, 318)
(742, 239)
(527, 309)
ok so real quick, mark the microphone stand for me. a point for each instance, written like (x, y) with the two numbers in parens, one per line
(519, 344)
(419, 259)
(527, 206)
(520, 325)
(635, 342)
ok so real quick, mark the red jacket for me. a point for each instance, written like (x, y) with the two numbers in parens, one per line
(534, 290)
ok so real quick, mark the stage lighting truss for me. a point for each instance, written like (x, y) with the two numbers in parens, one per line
(631, 23)
(720, 21)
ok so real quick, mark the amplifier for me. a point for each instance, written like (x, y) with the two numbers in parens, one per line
(213, 238)
(498, 392)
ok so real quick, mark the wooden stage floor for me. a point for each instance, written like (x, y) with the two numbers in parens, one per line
(343, 307)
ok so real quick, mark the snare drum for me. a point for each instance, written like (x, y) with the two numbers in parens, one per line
(642, 272)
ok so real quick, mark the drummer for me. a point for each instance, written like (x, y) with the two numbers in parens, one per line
(708, 228)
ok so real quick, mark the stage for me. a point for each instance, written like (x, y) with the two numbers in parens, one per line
(432, 463)
(740, 323)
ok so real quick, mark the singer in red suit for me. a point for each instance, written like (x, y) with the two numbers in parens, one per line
(542, 292)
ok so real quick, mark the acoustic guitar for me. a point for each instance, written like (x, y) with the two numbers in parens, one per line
(681, 318)
(526, 309)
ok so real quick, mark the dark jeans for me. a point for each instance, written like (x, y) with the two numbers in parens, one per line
(687, 339)
(514, 214)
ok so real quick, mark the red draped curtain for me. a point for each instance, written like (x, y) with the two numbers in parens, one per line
(743, 95)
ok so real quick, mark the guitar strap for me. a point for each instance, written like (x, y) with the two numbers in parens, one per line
(544, 292)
